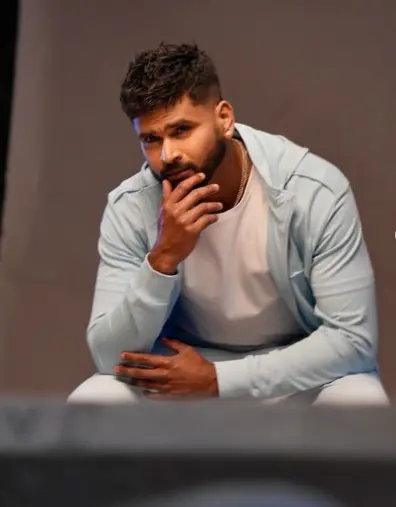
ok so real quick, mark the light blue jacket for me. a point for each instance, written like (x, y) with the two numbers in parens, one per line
(316, 254)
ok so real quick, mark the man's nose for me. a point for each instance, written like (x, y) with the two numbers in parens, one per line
(169, 153)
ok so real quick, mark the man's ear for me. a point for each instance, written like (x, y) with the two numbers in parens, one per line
(225, 118)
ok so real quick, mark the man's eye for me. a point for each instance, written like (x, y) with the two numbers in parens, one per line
(150, 140)
(182, 129)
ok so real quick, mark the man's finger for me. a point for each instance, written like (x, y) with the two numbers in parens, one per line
(174, 344)
(152, 385)
(166, 190)
(185, 187)
(153, 360)
(197, 196)
(142, 373)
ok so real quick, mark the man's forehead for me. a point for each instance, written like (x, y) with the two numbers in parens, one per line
(167, 118)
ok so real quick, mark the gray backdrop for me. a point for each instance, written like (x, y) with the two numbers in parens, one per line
(320, 72)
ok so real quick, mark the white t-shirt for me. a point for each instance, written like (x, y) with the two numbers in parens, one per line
(228, 295)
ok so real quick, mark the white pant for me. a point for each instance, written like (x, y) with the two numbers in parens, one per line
(359, 389)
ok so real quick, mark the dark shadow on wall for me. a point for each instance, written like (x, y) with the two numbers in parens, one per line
(8, 37)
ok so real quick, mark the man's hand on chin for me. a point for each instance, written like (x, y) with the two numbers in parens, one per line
(183, 375)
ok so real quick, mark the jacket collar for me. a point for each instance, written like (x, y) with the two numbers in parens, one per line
(275, 157)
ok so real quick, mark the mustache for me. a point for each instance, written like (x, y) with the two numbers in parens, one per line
(170, 168)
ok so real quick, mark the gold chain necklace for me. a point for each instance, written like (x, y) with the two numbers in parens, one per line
(244, 175)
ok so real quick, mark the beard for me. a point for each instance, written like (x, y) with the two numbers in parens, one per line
(212, 161)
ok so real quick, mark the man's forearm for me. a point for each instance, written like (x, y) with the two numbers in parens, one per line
(135, 321)
(314, 361)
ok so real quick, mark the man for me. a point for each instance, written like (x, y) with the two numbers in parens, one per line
(233, 264)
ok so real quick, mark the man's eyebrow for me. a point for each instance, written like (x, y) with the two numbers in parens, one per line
(168, 126)
(177, 123)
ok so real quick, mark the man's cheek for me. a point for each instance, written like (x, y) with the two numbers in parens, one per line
(156, 174)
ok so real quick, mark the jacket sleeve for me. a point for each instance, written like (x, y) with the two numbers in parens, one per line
(131, 300)
(342, 281)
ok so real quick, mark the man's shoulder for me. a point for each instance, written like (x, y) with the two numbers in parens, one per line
(131, 206)
(316, 169)
(132, 186)
(288, 161)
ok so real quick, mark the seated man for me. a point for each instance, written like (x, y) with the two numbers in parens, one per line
(233, 264)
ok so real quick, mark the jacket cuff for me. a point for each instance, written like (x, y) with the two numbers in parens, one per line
(233, 378)
(158, 285)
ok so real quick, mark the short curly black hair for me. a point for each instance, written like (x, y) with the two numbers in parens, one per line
(159, 77)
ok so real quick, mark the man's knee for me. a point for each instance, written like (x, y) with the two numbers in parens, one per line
(359, 389)
(104, 389)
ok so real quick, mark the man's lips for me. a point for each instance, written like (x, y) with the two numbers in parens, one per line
(180, 174)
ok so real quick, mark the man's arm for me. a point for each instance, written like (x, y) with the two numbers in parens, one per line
(132, 301)
(343, 284)
(135, 289)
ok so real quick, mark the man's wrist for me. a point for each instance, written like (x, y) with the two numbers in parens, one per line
(162, 263)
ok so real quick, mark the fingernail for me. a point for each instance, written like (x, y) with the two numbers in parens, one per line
(201, 175)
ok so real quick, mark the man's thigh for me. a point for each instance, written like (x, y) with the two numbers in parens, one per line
(358, 389)
(104, 389)
(352, 390)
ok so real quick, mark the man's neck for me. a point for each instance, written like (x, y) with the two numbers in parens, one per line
(228, 174)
